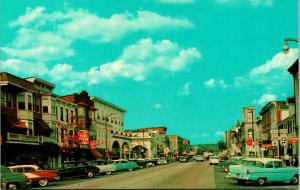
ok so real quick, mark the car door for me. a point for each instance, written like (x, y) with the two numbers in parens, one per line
(80, 169)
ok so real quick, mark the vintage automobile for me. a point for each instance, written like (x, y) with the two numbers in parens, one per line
(183, 159)
(199, 158)
(250, 162)
(265, 170)
(213, 160)
(77, 169)
(10, 180)
(142, 163)
(235, 160)
(37, 175)
(159, 161)
(123, 164)
(103, 167)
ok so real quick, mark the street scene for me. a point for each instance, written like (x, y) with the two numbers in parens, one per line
(149, 94)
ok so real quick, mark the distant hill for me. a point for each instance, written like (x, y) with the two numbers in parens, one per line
(213, 148)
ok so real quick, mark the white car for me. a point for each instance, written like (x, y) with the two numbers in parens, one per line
(213, 160)
(199, 158)
(103, 167)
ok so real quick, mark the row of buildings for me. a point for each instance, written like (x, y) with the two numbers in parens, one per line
(274, 133)
(40, 127)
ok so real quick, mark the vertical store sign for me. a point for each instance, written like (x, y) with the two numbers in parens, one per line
(83, 136)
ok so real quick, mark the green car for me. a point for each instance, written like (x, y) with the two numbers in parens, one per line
(231, 161)
(123, 164)
(11, 180)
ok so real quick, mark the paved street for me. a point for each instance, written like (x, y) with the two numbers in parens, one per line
(174, 175)
(191, 175)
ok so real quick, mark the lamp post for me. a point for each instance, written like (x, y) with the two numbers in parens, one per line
(106, 140)
(286, 45)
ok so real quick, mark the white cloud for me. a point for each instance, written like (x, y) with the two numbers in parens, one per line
(145, 56)
(185, 90)
(35, 45)
(219, 133)
(279, 62)
(210, 83)
(87, 26)
(265, 98)
(203, 135)
(177, 1)
(157, 106)
(22, 66)
(253, 3)
(30, 16)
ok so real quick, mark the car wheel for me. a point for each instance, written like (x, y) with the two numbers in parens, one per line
(130, 169)
(108, 172)
(241, 182)
(90, 174)
(261, 181)
(295, 180)
(12, 186)
(43, 182)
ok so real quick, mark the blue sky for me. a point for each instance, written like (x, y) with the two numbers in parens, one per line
(189, 65)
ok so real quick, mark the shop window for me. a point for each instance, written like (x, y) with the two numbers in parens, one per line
(21, 102)
(30, 129)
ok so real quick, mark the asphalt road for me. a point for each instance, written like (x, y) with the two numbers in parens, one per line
(191, 175)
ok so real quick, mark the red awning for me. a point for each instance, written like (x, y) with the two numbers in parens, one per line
(20, 125)
(82, 104)
(93, 108)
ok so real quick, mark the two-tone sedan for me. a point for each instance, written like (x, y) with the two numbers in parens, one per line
(123, 164)
(37, 175)
(103, 167)
(266, 170)
(77, 169)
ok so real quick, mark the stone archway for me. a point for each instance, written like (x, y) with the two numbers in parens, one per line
(115, 153)
(139, 151)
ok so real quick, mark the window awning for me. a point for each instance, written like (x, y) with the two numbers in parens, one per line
(40, 127)
(12, 121)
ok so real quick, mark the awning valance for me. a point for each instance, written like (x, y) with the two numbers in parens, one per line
(12, 121)
(40, 127)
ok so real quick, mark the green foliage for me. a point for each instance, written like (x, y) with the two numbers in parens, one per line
(222, 145)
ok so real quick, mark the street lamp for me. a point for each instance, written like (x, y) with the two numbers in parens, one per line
(106, 150)
(286, 45)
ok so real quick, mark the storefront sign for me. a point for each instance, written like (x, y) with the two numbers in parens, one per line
(83, 137)
(249, 142)
(293, 140)
(266, 145)
(92, 145)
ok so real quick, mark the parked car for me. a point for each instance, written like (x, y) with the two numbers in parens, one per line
(10, 180)
(183, 159)
(77, 169)
(142, 163)
(231, 161)
(199, 158)
(213, 160)
(254, 162)
(103, 167)
(159, 161)
(123, 164)
(37, 175)
(265, 170)
(222, 158)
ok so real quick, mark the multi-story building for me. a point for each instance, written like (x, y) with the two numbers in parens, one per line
(22, 126)
(180, 146)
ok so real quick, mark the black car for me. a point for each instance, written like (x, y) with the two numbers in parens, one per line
(77, 169)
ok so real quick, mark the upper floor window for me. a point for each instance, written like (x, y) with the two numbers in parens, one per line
(67, 115)
(29, 99)
(30, 128)
(45, 103)
(52, 107)
(6, 99)
(21, 102)
(61, 114)
(72, 116)
(37, 103)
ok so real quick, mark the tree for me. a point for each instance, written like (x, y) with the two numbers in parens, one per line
(222, 145)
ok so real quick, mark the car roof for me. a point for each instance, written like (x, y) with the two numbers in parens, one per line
(23, 166)
(265, 160)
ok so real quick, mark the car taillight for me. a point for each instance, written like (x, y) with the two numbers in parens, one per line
(247, 172)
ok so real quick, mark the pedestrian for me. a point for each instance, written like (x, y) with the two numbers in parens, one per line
(287, 160)
(295, 161)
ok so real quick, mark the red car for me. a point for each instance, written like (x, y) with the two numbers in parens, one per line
(37, 175)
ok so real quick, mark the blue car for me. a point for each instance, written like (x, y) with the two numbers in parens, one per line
(265, 170)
